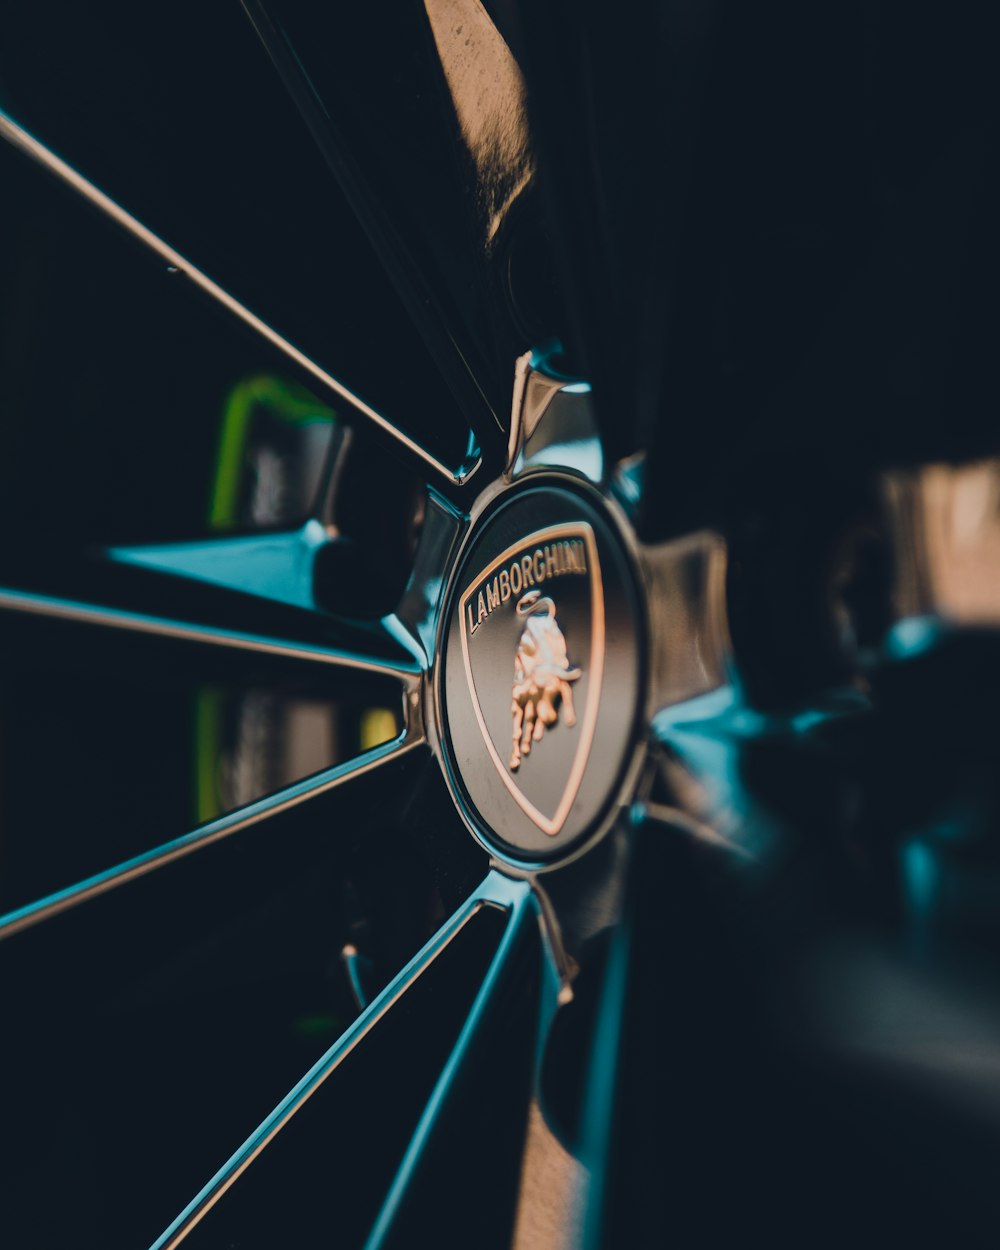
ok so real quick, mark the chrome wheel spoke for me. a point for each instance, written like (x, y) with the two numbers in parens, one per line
(318, 376)
(361, 655)
(429, 241)
(200, 984)
(482, 1096)
(602, 1095)
(690, 650)
(610, 236)
(279, 567)
(553, 423)
(256, 816)
(670, 1054)
(354, 1103)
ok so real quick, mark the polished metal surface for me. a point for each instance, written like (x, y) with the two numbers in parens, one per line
(569, 436)
(406, 670)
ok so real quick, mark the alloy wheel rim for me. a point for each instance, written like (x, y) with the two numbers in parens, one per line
(531, 998)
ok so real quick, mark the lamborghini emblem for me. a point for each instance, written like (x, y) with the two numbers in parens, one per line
(540, 602)
(542, 676)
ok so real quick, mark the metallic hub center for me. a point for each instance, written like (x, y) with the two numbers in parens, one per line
(541, 673)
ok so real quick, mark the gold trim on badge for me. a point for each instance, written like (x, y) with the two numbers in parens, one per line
(560, 561)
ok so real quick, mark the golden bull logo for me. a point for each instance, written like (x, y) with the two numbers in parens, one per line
(533, 645)
(542, 676)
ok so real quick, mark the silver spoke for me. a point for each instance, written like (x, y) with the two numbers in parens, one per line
(552, 423)
(522, 912)
(243, 818)
(278, 567)
(406, 671)
(494, 891)
(20, 138)
(690, 650)
(422, 280)
(603, 1078)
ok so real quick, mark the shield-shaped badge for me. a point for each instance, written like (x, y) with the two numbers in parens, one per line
(533, 644)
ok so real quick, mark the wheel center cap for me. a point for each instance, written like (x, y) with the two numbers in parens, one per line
(541, 673)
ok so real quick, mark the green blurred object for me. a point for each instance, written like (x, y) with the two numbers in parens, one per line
(255, 402)
(273, 441)
(208, 717)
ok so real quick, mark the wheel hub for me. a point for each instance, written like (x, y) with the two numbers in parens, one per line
(541, 672)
